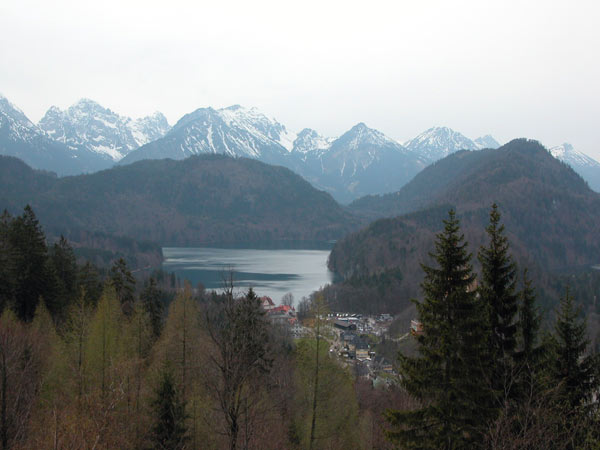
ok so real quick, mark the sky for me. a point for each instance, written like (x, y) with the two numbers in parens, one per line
(507, 68)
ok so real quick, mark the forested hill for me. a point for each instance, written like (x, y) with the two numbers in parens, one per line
(200, 200)
(521, 168)
(551, 216)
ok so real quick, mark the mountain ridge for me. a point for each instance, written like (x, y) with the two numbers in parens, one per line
(201, 200)
(550, 214)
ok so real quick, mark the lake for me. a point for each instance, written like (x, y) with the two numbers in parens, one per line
(272, 269)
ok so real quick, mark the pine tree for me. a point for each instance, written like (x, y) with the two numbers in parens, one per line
(498, 293)
(151, 299)
(447, 376)
(169, 431)
(64, 269)
(6, 262)
(88, 279)
(124, 284)
(29, 254)
(575, 374)
(529, 352)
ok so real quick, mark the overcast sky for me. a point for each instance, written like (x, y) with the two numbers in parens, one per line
(508, 68)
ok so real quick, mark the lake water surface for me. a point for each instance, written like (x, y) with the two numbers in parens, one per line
(270, 271)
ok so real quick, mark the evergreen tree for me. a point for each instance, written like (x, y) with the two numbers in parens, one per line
(88, 280)
(498, 293)
(64, 267)
(529, 352)
(124, 284)
(6, 262)
(169, 431)
(30, 270)
(151, 298)
(575, 374)
(447, 376)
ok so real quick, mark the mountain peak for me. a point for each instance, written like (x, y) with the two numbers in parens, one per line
(487, 141)
(360, 126)
(309, 140)
(438, 142)
(576, 159)
(87, 103)
(87, 125)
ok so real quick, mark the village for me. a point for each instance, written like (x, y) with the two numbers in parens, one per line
(352, 338)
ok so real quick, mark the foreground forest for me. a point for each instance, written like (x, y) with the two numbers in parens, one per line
(93, 359)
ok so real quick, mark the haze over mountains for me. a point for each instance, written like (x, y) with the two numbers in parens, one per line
(87, 137)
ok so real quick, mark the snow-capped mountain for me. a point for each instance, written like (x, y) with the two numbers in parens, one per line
(486, 141)
(88, 125)
(234, 131)
(360, 162)
(438, 142)
(308, 140)
(21, 138)
(588, 168)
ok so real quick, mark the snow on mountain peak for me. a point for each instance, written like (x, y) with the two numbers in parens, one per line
(17, 124)
(255, 122)
(487, 141)
(309, 140)
(87, 124)
(438, 142)
(566, 153)
(361, 134)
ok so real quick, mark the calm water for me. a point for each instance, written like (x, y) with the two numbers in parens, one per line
(270, 271)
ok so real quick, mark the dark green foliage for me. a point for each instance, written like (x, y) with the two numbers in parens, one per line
(151, 298)
(88, 279)
(6, 262)
(530, 351)
(575, 373)
(169, 431)
(208, 198)
(124, 284)
(64, 267)
(30, 272)
(497, 290)
(447, 376)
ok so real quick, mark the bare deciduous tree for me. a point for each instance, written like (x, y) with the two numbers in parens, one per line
(238, 359)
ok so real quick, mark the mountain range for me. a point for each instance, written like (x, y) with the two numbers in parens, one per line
(87, 137)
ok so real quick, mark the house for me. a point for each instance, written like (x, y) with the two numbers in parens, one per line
(282, 314)
(416, 327)
(361, 349)
(344, 325)
(266, 303)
